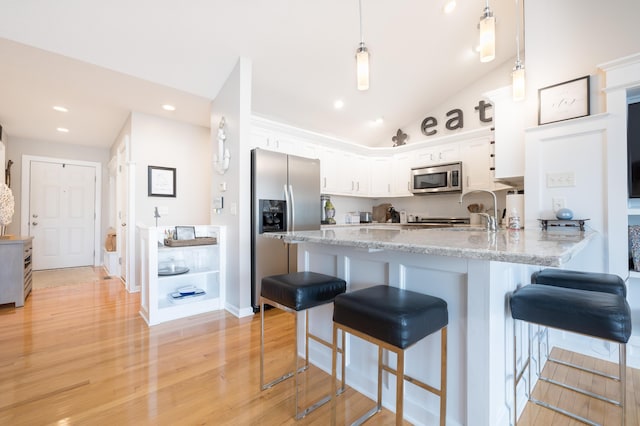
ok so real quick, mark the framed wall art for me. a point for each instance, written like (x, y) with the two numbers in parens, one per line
(564, 101)
(161, 181)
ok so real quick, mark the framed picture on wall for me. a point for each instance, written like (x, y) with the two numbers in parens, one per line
(564, 101)
(161, 181)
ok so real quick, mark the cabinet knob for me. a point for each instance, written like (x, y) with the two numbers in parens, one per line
(35, 215)
(124, 224)
(34, 223)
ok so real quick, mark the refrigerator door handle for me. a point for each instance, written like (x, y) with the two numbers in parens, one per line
(292, 209)
(287, 201)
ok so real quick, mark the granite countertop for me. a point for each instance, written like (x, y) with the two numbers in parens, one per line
(534, 247)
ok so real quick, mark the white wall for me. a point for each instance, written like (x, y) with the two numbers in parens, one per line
(466, 100)
(20, 146)
(3, 153)
(160, 142)
(568, 39)
(234, 103)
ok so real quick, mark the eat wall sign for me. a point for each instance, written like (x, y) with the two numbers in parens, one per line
(455, 119)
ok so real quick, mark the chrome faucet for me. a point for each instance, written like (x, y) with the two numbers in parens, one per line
(492, 222)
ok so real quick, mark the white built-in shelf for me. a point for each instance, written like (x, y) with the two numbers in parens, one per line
(633, 211)
(205, 271)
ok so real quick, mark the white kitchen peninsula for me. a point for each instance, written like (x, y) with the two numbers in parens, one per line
(474, 271)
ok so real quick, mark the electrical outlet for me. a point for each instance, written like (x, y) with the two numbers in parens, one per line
(557, 203)
(559, 180)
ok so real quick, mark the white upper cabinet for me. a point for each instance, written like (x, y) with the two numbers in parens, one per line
(344, 173)
(477, 164)
(401, 169)
(439, 154)
(509, 134)
(277, 141)
(380, 171)
(352, 170)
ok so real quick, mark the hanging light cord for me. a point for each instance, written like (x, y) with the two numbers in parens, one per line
(517, 34)
(360, 12)
(487, 10)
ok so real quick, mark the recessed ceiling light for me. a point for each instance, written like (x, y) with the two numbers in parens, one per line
(338, 104)
(449, 6)
(62, 130)
(60, 108)
(168, 107)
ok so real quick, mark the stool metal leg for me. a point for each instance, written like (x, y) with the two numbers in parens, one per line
(443, 376)
(399, 387)
(623, 379)
(263, 385)
(334, 379)
(527, 365)
(398, 372)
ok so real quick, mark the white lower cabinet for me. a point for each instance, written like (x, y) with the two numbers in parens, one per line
(180, 281)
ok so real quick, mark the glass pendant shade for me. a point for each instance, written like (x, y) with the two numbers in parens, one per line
(362, 67)
(487, 37)
(517, 77)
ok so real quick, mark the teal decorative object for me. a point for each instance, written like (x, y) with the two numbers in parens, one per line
(564, 214)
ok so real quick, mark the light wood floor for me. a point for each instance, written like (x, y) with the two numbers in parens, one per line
(81, 355)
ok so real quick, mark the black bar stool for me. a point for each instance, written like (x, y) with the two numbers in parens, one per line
(592, 281)
(295, 293)
(592, 313)
(393, 319)
(607, 283)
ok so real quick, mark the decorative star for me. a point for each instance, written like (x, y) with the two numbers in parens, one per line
(400, 138)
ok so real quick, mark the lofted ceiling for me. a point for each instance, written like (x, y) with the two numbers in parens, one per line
(102, 60)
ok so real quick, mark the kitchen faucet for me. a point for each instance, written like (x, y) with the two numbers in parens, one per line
(492, 222)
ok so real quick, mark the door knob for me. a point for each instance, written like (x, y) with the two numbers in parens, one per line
(124, 224)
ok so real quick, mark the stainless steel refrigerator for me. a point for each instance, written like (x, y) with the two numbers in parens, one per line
(285, 196)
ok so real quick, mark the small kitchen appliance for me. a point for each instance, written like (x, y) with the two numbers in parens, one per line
(437, 179)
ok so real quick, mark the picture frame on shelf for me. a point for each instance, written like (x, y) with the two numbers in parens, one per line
(185, 232)
(161, 181)
(564, 101)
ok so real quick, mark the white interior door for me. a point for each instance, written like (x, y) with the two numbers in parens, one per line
(62, 214)
(122, 220)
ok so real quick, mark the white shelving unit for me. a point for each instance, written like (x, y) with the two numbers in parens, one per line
(205, 271)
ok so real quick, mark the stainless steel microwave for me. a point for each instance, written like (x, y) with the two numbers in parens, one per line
(437, 179)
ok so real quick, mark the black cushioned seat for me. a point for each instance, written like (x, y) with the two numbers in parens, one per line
(607, 283)
(302, 290)
(593, 313)
(398, 317)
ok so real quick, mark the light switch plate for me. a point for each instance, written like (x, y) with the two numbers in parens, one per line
(558, 203)
(218, 203)
(561, 180)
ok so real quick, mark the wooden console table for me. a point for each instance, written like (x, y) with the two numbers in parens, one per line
(15, 269)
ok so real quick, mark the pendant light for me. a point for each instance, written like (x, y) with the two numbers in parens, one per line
(362, 58)
(487, 35)
(517, 76)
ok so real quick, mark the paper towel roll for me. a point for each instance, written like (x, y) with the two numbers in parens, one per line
(516, 201)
